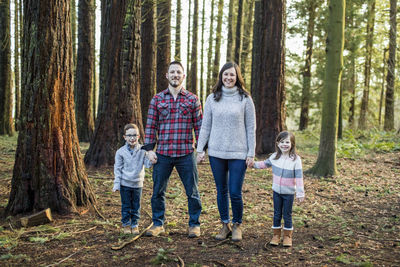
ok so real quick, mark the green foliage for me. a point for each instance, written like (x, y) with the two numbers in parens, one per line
(38, 239)
(162, 257)
(347, 259)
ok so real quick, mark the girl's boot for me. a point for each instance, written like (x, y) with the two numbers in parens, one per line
(276, 239)
(225, 231)
(287, 238)
(236, 232)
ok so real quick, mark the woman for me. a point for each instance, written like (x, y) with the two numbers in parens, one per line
(228, 129)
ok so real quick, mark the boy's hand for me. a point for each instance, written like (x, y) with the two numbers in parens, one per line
(200, 157)
(299, 199)
(250, 162)
(152, 157)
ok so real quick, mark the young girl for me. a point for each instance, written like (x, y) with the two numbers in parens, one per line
(287, 176)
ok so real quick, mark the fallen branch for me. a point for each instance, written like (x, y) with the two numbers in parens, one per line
(84, 231)
(57, 263)
(131, 240)
(219, 243)
(180, 261)
(376, 239)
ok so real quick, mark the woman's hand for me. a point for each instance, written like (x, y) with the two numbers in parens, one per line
(250, 162)
(200, 157)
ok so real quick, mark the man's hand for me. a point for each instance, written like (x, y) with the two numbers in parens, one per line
(152, 157)
(250, 162)
(200, 157)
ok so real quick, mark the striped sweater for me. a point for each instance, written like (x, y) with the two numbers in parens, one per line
(287, 174)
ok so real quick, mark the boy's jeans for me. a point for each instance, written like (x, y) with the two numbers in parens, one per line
(283, 204)
(187, 170)
(229, 174)
(130, 208)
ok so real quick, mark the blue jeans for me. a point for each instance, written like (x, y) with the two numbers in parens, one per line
(130, 208)
(229, 177)
(187, 170)
(283, 204)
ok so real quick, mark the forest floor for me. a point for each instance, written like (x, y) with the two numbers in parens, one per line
(351, 219)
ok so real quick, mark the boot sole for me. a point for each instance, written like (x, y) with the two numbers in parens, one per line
(220, 239)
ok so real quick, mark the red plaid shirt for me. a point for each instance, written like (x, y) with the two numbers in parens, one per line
(173, 123)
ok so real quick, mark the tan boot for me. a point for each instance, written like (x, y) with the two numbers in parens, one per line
(155, 230)
(236, 232)
(225, 231)
(135, 230)
(194, 231)
(126, 229)
(276, 239)
(287, 238)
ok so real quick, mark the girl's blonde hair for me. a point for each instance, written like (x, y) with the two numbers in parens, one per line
(281, 136)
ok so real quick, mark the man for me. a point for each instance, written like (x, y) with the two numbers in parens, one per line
(172, 116)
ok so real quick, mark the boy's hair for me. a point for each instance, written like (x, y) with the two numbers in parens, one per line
(281, 136)
(130, 126)
(176, 63)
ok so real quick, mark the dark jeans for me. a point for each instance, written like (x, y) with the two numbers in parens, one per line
(130, 208)
(283, 204)
(229, 177)
(187, 170)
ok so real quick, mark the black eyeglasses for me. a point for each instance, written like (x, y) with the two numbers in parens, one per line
(132, 135)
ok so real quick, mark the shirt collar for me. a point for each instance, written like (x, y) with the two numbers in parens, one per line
(182, 91)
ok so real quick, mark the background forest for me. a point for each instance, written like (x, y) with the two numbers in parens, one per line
(74, 72)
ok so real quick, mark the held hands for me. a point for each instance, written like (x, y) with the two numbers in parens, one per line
(299, 199)
(200, 157)
(250, 162)
(152, 157)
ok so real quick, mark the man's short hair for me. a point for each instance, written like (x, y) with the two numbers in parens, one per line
(176, 63)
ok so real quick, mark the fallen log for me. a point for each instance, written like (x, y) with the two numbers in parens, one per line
(38, 218)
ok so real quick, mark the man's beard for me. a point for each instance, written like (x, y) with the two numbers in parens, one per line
(175, 85)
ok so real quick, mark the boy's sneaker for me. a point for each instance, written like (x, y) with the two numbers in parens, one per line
(155, 230)
(135, 230)
(126, 229)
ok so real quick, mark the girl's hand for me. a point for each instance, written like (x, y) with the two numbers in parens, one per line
(250, 162)
(200, 157)
(300, 199)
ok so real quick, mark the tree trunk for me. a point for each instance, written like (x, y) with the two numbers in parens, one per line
(178, 31)
(247, 37)
(188, 46)
(389, 103)
(340, 111)
(238, 35)
(84, 70)
(122, 77)
(382, 86)
(203, 21)
(218, 41)
(210, 52)
(73, 30)
(231, 31)
(149, 56)
(6, 122)
(193, 62)
(163, 42)
(48, 170)
(16, 66)
(326, 162)
(268, 85)
(256, 53)
(367, 66)
(305, 95)
(353, 54)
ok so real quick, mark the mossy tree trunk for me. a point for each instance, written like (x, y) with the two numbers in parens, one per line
(326, 162)
(85, 68)
(149, 55)
(48, 170)
(163, 42)
(269, 74)
(122, 81)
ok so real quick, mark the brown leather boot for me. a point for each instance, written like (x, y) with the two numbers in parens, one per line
(236, 232)
(225, 231)
(287, 238)
(276, 239)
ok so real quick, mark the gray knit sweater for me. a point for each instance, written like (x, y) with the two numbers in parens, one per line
(228, 126)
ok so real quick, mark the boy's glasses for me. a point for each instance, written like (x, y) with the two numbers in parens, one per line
(131, 135)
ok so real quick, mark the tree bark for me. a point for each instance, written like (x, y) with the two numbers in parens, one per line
(217, 54)
(178, 30)
(163, 42)
(73, 31)
(84, 70)
(48, 170)
(193, 62)
(382, 86)
(390, 78)
(210, 51)
(326, 162)
(238, 34)
(188, 45)
(16, 66)
(122, 77)
(203, 21)
(268, 83)
(231, 31)
(6, 122)
(246, 40)
(149, 55)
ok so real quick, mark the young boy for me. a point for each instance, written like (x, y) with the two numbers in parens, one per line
(130, 161)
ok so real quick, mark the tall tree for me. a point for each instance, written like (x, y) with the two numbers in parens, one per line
(217, 54)
(6, 123)
(210, 51)
(238, 34)
(73, 30)
(84, 70)
(382, 85)
(390, 78)
(326, 162)
(203, 22)
(305, 95)
(178, 30)
(269, 73)
(122, 80)
(149, 55)
(48, 169)
(163, 42)
(246, 38)
(193, 62)
(16, 66)
(367, 65)
(231, 32)
(188, 45)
